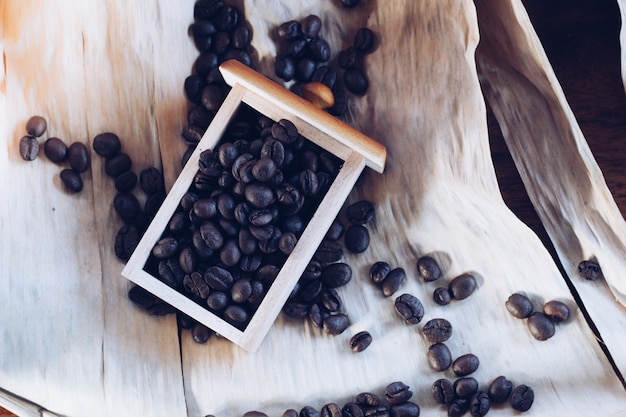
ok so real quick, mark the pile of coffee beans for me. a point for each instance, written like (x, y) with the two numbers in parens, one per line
(393, 402)
(76, 155)
(541, 324)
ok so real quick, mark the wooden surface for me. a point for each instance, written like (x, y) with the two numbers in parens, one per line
(72, 340)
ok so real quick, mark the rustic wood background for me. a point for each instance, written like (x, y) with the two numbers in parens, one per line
(73, 343)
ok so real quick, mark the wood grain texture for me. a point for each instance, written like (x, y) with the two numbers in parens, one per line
(74, 344)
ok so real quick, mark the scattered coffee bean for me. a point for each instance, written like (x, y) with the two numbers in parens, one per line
(540, 326)
(357, 238)
(200, 333)
(336, 275)
(443, 391)
(78, 156)
(151, 181)
(142, 297)
(465, 364)
(589, 270)
(379, 271)
(439, 357)
(360, 341)
(437, 330)
(71, 179)
(364, 40)
(500, 389)
(522, 398)
(361, 212)
(556, 310)
(462, 286)
(428, 269)
(126, 241)
(106, 144)
(479, 406)
(393, 281)
(465, 387)
(336, 323)
(127, 206)
(458, 407)
(442, 296)
(55, 150)
(36, 126)
(397, 392)
(356, 81)
(405, 409)
(519, 306)
(410, 308)
(29, 148)
(125, 182)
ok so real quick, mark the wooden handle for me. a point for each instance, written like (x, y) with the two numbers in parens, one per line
(278, 96)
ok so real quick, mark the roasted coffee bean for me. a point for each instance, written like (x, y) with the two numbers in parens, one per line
(556, 310)
(239, 55)
(335, 231)
(264, 169)
(367, 399)
(200, 333)
(397, 392)
(328, 251)
(117, 165)
(250, 263)
(336, 275)
(126, 205)
(310, 26)
(296, 47)
(142, 297)
(540, 326)
(227, 18)
(241, 290)
(219, 278)
(206, 9)
(305, 67)
(336, 323)
(522, 398)
(126, 241)
(410, 308)
(192, 134)
(589, 270)
(195, 285)
(287, 243)
(309, 411)
(442, 296)
(360, 341)
(357, 238)
(205, 208)
(352, 409)
(428, 269)
(187, 259)
(106, 144)
(360, 212)
(443, 391)
(284, 131)
(350, 3)
(439, 357)
(221, 44)
(254, 413)
(458, 407)
(55, 150)
(319, 49)
(212, 97)
(328, 410)
(194, 84)
(217, 300)
(151, 181)
(285, 67)
(308, 182)
(296, 309)
(36, 126)
(465, 387)
(78, 156)
(230, 254)
(236, 315)
(309, 291)
(437, 330)
(226, 206)
(364, 40)
(316, 315)
(355, 81)
(465, 364)
(347, 57)
(125, 182)
(184, 321)
(289, 30)
(153, 203)
(211, 235)
(170, 272)
(479, 405)
(500, 389)
(241, 36)
(259, 195)
(393, 281)
(379, 271)
(330, 299)
(161, 309)
(72, 180)
(29, 148)
(462, 286)
(341, 102)
(406, 409)
(519, 306)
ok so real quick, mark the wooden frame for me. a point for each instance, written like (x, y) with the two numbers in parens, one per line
(275, 102)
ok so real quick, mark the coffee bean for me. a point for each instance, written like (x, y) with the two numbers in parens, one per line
(406, 409)
(230, 254)
(328, 251)
(443, 391)
(458, 407)
(330, 299)
(55, 150)
(293, 413)
(305, 67)
(236, 315)
(153, 203)
(393, 281)
(341, 102)
(410, 308)
(217, 300)
(241, 36)
(352, 409)
(437, 330)
(540, 326)
(126, 241)
(500, 389)
(350, 3)
(360, 341)
(357, 238)
(465, 387)
(442, 296)
(355, 81)
(126, 205)
(364, 40)
(36, 126)
(106, 144)
(125, 182)
(187, 259)
(206, 9)
(29, 148)
(219, 278)
(260, 196)
(556, 310)
(170, 272)
(142, 297)
(462, 286)
(319, 49)
(589, 270)
(347, 57)
(78, 156)
(285, 67)
(479, 406)
(161, 309)
(117, 165)
(200, 333)
(311, 25)
(360, 212)
(336, 324)
(367, 399)
(151, 181)
(165, 248)
(397, 392)
(428, 269)
(289, 30)
(71, 179)
(522, 398)
(519, 306)
(379, 271)
(465, 364)
(195, 285)
(439, 357)
(254, 414)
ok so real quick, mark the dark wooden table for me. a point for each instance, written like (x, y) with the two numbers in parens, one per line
(581, 39)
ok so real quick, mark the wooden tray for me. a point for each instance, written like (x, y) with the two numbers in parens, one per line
(72, 342)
